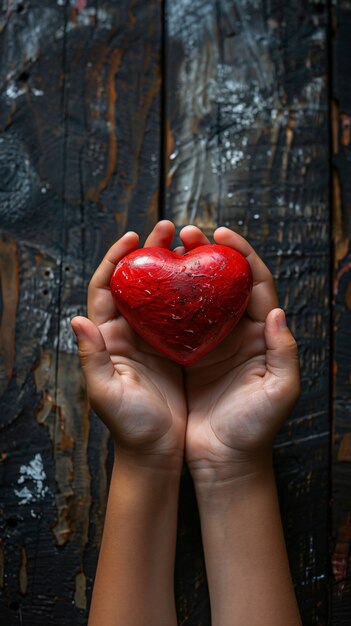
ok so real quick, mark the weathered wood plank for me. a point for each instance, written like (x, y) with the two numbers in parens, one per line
(341, 472)
(29, 152)
(79, 157)
(247, 147)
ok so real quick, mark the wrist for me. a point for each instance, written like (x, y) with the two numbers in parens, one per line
(144, 492)
(245, 471)
(147, 466)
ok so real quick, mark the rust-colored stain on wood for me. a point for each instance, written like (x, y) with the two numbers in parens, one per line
(341, 239)
(344, 452)
(114, 65)
(80, 597)
(348, 295)
(23, 575)
(345, 129)
(9, 283)
(334, 123)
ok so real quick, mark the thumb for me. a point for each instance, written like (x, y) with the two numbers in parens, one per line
(94, 357)
(282, 359)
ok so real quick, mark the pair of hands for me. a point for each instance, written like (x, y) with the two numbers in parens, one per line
(224, 411)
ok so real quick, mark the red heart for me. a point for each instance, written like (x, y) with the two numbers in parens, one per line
(183, 306)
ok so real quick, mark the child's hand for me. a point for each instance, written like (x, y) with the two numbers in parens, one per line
(241, 392)
(137, 392)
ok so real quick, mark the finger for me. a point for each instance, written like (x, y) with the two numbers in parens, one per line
(179, 250)
(162, 235)
(282, 358)
(192, 237)
(101, 306)
(264, 296)
(95, 360)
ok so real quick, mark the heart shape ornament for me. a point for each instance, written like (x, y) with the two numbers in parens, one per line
(183, 306)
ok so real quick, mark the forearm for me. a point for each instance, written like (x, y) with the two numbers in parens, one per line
(246, 560)
(134, 579)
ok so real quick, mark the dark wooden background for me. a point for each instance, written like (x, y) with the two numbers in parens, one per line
(213, 112)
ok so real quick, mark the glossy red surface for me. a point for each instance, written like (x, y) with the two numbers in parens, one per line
(183, 306)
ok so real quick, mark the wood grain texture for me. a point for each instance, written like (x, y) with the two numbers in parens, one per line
(247, 147)
(79, 165)
(246, 144)
(341, 473)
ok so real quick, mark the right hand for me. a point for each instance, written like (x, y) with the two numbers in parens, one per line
(137, 392)
(241, 392)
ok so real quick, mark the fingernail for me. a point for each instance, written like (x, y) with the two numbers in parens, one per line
(281, 319)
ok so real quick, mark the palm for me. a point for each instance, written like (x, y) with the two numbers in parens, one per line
(144, 400)
(227, 410)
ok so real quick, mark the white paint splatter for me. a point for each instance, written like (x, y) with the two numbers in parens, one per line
(13, 92)
(34, 476)
(37, 92)
(86, 17)
(66, 341)
(103, 17)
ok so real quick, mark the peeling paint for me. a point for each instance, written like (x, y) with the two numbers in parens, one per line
(19, 180)
(66, 338)
(33, 477)
(26, 38)
(80, 597)
(13, 91)
(64, 411)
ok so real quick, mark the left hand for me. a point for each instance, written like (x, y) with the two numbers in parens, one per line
(137, 392)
